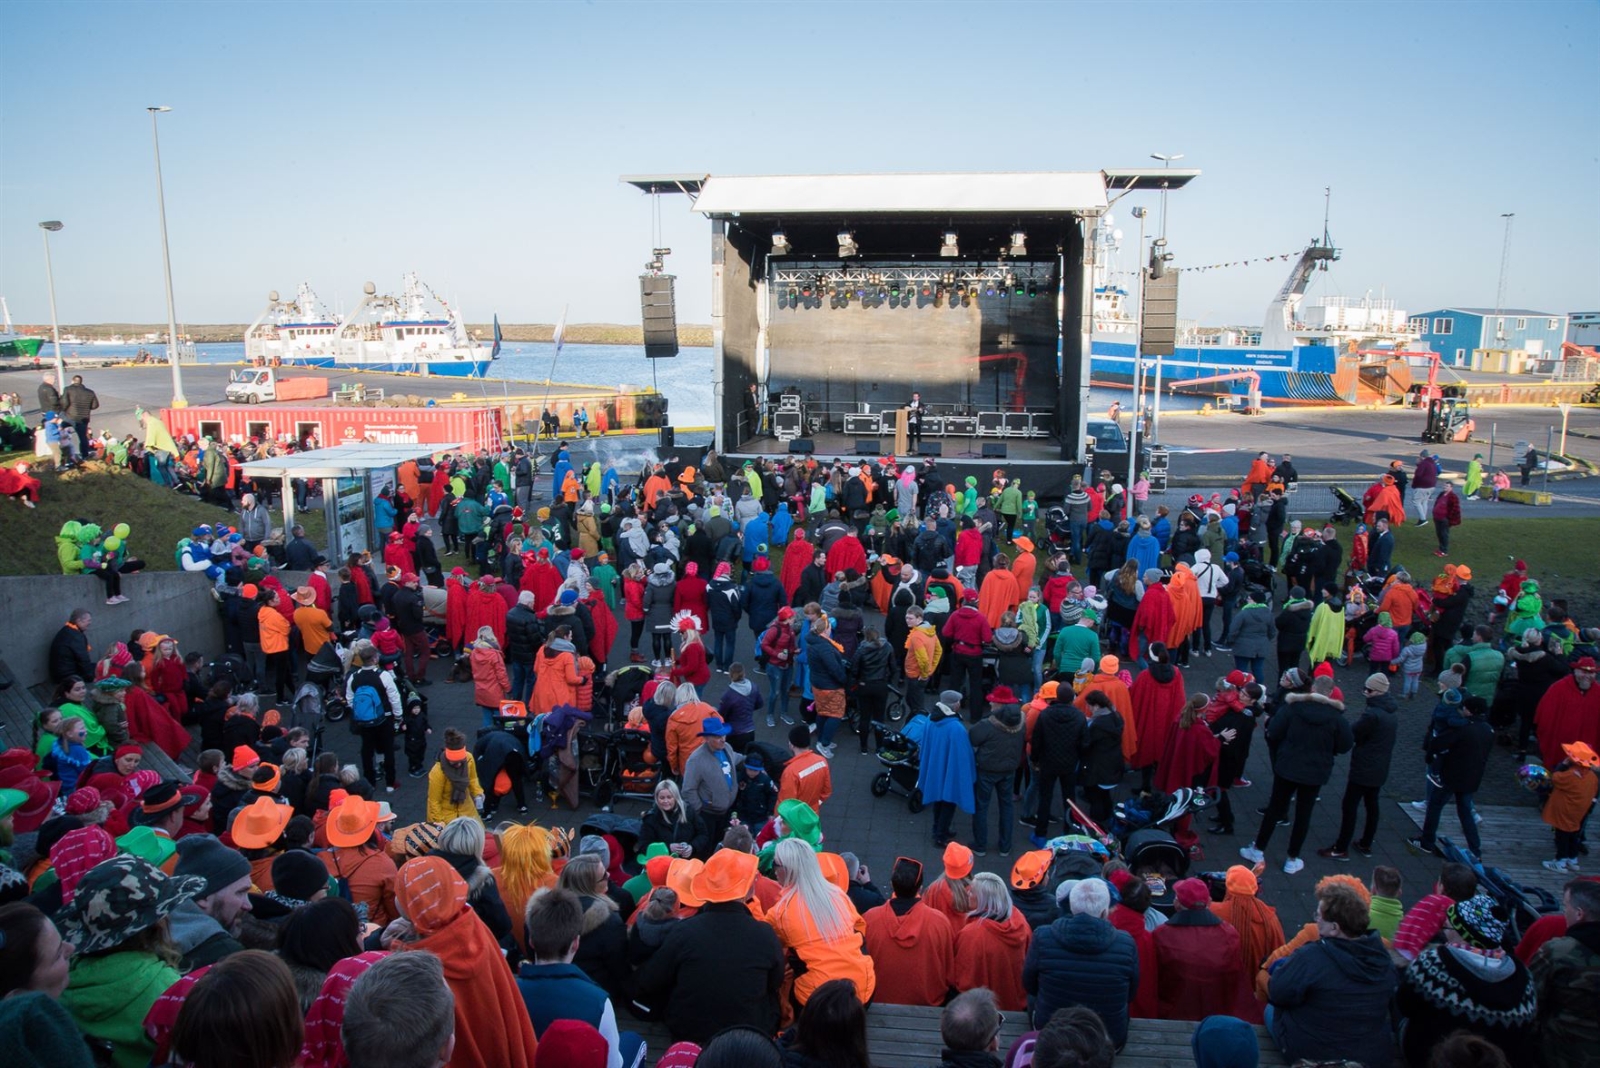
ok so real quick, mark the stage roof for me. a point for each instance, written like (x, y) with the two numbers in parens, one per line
(340, 461)
(903, 194)
(1149, 178)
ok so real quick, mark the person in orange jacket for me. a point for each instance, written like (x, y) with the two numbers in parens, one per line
(818, 925)
(683, 727)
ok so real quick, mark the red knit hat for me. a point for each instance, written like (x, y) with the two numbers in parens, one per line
(762, 564)
(571, 1044)
(1323, 670)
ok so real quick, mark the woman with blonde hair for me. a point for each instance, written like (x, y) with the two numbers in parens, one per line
(525, 866)
(991, 948)
(603, 938)
(670, 822)
(490, 682)
(816, 922)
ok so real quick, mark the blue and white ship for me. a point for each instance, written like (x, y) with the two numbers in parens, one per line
(417, 332)
(1310, 354)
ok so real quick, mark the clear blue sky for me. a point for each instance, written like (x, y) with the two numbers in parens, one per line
(480, 144)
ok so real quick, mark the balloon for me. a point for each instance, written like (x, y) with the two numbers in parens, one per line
(1533, 776)
(121, 530)
(113, 543)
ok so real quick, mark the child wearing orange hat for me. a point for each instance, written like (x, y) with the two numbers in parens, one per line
(1572, 791)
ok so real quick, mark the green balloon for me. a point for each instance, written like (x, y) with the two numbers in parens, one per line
(113, 543)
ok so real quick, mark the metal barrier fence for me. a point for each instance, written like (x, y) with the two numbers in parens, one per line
(1310, 500)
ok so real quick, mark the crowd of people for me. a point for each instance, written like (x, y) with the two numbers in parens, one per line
(271, 892)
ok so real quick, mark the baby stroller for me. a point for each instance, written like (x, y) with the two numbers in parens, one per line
(623, 768)
(321, 696)
(899, 757)
(1060, 530)
(1521, 904)
(1156, 857)
(1349, 509)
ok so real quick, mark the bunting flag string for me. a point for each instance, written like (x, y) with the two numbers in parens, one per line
(1285, 256)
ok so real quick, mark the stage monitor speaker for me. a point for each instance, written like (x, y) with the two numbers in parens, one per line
(866, 446)
(802, 445)
(668, 437)
(991, 423)
(930, 448)
(659, 311)
(994, 450)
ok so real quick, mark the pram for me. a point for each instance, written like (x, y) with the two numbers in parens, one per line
(1058, 527)
(321, 697)
(618, 768)
(1349, 509)
(1522, 905)
(899, 756)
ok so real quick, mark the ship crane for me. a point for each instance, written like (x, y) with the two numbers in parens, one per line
(1277, 326)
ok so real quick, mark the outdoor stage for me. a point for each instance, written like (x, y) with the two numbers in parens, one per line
(836, 297)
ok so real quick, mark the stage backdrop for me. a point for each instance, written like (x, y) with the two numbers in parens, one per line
(841, 358)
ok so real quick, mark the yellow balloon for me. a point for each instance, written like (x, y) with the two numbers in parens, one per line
(121, 530)
(113, 543)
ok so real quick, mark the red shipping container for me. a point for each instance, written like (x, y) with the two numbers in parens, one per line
(470, 428)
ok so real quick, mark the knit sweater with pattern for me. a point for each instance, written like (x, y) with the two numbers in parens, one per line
(1452, 988)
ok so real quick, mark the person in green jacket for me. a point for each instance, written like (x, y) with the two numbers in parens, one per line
(798, 820)
(122, 962)
(1078, 643)
(1474, 481)
(1010, 509)
(969, 497)
(603, 577)
(67, 548)
(1385, 911)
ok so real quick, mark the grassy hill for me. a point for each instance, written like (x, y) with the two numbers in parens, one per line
(105, 496)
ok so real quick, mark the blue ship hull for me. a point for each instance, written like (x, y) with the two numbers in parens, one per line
(1304, 373)
(441, 369)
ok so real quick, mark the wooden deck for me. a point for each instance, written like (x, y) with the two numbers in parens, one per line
(1515, 840)
(19, 711)
(907, 1036)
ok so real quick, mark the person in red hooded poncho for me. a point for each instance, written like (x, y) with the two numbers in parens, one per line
(542, 577)
(1199, 969)
(847, 554)
(457, 590)
(486, 608)
(796, 557)
(912, 946)
(1158, 698)
(1569, 712)
(991, 948)
(605, 628)
(493, 1029)
(1154, 619)
(148, 721)
(1128, 916)
(1190, 760)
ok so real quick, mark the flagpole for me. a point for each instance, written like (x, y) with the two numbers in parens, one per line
(561, 327)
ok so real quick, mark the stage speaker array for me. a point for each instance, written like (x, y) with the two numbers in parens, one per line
(1158, 323)
(930, 448)
(866, 446)
(802, 445)
(994, 450)
(658, 308)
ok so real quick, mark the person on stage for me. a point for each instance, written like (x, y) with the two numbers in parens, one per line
(914, 421)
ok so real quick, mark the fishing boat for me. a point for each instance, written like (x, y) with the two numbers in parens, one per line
(1317, 353)
(13, 344)
(417, 332)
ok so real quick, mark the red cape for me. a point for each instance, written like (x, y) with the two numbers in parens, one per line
(485, 608)
(1191, 753)
(1567, 715)
(1156, 707)
(1145, 1004)
(149, 723)
(913, 955)
(1153, 621)
(796, 557)
(544, 579)
(605, 628)
(455, 612)
(997, 595)
(847, 555)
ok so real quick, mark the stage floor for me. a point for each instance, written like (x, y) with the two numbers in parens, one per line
(843, 446)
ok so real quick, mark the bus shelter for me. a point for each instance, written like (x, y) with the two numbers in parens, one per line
(351, 476)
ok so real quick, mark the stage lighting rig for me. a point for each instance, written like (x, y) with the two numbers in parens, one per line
(1019, 243)
(949, 246)
(847, 245)
(657, 260)
(780, 243)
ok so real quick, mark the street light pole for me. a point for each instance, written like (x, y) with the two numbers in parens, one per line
(1155, 417)
(46, 229)
(1166, 164)
(178, 399)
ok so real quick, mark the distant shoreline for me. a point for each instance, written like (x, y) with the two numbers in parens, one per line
(221, 333)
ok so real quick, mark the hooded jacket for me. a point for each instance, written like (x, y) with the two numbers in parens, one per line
(1374, 735)
(991, 953)
(997, 746)
(1199, 969)
(1057, 740)
(913, 953)
(721, 948)
(1157, 695)
(108, 996)
(1306, 736)
(1083, 960)
(1330, 1001)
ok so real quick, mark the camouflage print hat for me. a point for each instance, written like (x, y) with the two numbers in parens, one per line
(120, 897)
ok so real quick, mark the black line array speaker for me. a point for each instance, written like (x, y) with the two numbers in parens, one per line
(802, 445)
(930, 448)
(658, 308)
(994, 450)
(668, 437)
(866, 446)
(1158, 324)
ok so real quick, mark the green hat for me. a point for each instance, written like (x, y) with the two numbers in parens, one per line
(147, 845)
(802, 821)
(10, 801)
(1385, 620)
(656, 849)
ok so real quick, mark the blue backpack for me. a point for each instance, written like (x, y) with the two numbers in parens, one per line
(369, 703)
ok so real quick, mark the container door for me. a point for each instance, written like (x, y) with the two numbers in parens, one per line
(211, 428)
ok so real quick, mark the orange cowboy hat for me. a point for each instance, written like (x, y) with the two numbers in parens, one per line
(681, 876)
(259, 824)
(727, 876)
(352, 823)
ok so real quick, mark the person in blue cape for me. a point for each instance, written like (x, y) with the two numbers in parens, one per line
(1144, 547)
(756, 532)
(780, 524)
(558, 472)
(948, 768)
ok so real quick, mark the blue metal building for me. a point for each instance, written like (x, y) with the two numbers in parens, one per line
(1454, 333)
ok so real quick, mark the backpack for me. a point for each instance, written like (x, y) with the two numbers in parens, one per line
(369, 703)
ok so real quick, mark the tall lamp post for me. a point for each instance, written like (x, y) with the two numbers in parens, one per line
(46, 229)
(178, 399)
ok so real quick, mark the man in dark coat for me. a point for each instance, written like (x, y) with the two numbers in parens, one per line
(1460, 753)
(1277, 517)
(1374, 735)
(408, 616)
(1055, 750)
(69, 649)
(1305, 735)
(929, 549)
(78, 403)
(723, 948)
(1081, 959)
(524, 636)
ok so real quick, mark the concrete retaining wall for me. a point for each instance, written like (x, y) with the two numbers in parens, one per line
(36, 607)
